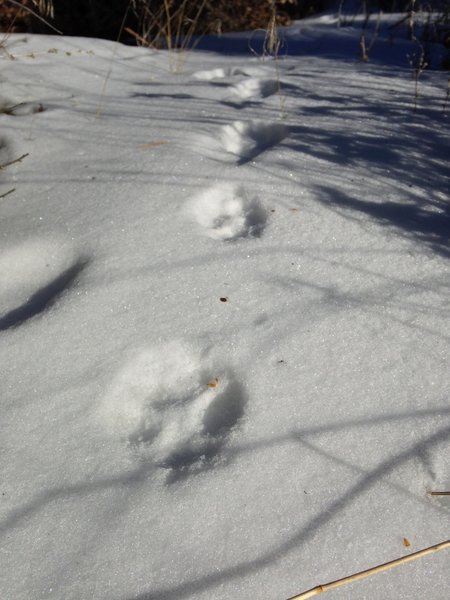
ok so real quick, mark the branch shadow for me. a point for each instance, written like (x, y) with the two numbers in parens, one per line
(427, 224)
(353, 146)
(81, 489)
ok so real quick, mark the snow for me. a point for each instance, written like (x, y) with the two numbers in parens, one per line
(225, 211)
(224, 318)
(247, 139)
(175, 410)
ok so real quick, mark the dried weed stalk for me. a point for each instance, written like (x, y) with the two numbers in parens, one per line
(369, 572)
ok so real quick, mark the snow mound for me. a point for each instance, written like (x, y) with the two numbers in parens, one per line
(226, 212)
(210, 74)
(247, 139)
(222, 73)
(255, 88)
(32, 275)
(172, 406)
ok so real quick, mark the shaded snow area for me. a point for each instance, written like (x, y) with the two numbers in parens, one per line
(224, 319)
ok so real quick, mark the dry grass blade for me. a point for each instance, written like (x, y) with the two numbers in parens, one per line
(193, 25)
(108, 74)
(180, 28)
(45, 7)
(154, 144)
(169, 24)
(369, 572)
(272, 41)
(172, 26)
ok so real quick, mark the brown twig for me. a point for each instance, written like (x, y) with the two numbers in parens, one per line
(7, 193)
(12, 162)
(439, 493)
(139, 38)
(154, 144)
(368, 572)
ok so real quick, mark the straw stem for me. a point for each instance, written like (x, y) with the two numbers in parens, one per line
(369, 572)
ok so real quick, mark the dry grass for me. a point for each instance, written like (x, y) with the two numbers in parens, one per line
(149, 19)
(15, 16)
(170, 25)
(7, 164)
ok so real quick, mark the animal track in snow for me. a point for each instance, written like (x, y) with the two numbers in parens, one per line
(239, 141)
(32, 276)
(212, 74)
(226, 212)
(246, 139)
(252, 88)
(173, 407)
(223, 73)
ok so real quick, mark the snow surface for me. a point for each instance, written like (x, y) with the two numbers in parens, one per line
(224, 319)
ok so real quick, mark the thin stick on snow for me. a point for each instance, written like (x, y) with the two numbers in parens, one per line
(7, 193)
(369, 572)
(439, 493)
(12, 162)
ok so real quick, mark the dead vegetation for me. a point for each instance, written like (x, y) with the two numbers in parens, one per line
(148, 18)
